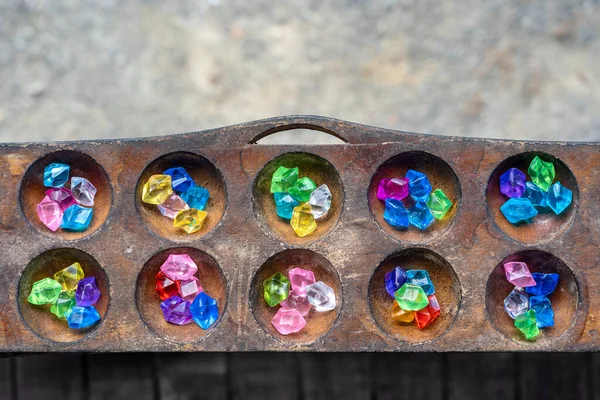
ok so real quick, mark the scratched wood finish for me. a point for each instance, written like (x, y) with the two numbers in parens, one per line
(472, 243)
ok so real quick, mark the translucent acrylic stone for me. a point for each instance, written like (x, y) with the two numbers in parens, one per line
(518, 210)
(176, 311)
(189, 289)
(395, 214)
(283, 179)
(190, 220)
(543, 311)
(527, 324)
(516, 303)
(400, 315)
(321, 296)
(411, 297)
(179, 267)
(56, 175)
(63, 305)
(49, 213)
(285, 204)
(276, 289)
(83, 191)
(419, 185)
(82, 317)
(439, 204)
(428, 314)
(394, 280)
(320, 201)
(545, 284)
(77, 218)
(559, 198)
(44, 291)
(288, 321)
(157, 189)
(512, 183)
(394, 188)
(542, 173)
(196, 197)
(69, 277)
(165, 287)
(62, 196)
(420, 277)
(518, 274)
(420, 216)
(87, 293)
(298, 301)
(302, 189)
(172, 206)
(181, 181)
(205, 311)
(301, 278)
(303, 221)
(536, 196)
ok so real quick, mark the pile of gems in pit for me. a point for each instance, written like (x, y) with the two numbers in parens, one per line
(299, 201)
(296, 303)
(528, 198)
(182, 295)
(71, 296)
(66, 208)
(528, 304)
(415, 298)
(178, 198)
(409, 201)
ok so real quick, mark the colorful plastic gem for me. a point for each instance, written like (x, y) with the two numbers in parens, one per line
(400, 315)
(320, 201)
(190, 220)
(56, 175)
(82, 317)
(426, 316)
(61, 196)
(420, 216)
(536, 196)
(285, 204)
(542, 173)
(179, 267)
(288, 320)
(283, 179)
(63, 305)
(301, 278)
(77, 218)
(276, 289)
(87, 293)
(50, 214)
(205, 310)
(545, 284)
(518, 274)
(518, 210)
(543, 311)
(298, 301)
(321, 296)
(196, 197)
(512, 183)
(180, 180)
(189, 289)
(44, 291)
(559, 198)
(516, 303)
(394, 280)
(411, 297)
(302, 189)
(70, 276)
(439, 204)
(165, 287)
(157, 189)
(394, 188)
(176, 311)
(395, 213)
(303, 220)
(172, 206)
(420, 277)
(419, 185)
(83, 191)
(527, 324)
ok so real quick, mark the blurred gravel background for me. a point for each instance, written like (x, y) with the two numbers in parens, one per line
(495, 68)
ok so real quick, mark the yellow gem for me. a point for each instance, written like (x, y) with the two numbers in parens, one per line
(190, 220)
(157, 189)
(69, 277)
(303, 220)
(400, 315)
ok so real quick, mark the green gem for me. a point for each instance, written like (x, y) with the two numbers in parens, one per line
(527, 323)
(283, 179)
(45, 291)
(438, 203)
(542, 173)
(302, 189)
(63, 304)
(276, 289)
(411, 297)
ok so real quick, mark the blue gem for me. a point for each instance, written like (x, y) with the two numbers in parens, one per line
(518, 209)
(394, 280)
(56, 175)
(196, 197)
(204, 310)
(512, 183)
(77, 218)
(285, 204)
(180, 180)
(559, 198)
(395, 213)
(543, 311)
(420, 216)
(420, 277)
(535, 194)
(82, 317)
(419, 185)
(544, 284)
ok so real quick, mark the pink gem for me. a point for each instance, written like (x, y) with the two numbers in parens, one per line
(50, 213)
(288, 321)
(394, 188)
(172, 205)
(518, 274)
(83, 191)
(297, 301)
(62, 196)
(189, 289)
(179, 267)
(300, 278)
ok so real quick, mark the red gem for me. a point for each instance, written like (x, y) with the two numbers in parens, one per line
(429, 313)
(164, 286)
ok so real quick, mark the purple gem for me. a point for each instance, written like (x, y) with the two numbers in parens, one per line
(394, 280)
(512, 183)
(176, 310)
(394, 188)
(87, 293)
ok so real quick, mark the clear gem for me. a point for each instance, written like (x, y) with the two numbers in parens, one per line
(56, 175)
(179, 267)
(83, 191)
(516, 303)
(320, 201)
(321, 296)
